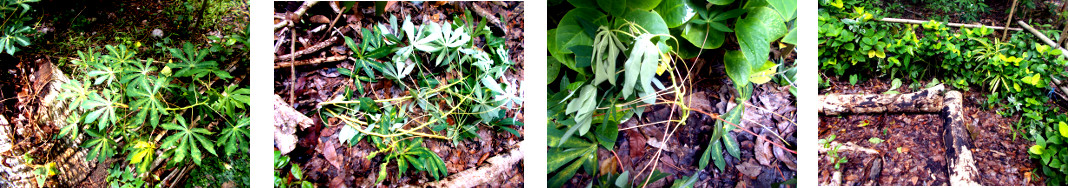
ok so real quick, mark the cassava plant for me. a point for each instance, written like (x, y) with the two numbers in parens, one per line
(608, 58)
(183, 111)
(452, 86)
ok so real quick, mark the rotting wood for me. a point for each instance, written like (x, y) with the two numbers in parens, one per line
(925, 101)
(911, 21)
(286, 120)
(962, 170)
(311, 61)
(493, 172)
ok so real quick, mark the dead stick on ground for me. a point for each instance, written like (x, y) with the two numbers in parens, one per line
(311, 49)
(848, 146)
(1009, 21)
(311, 61)
(928, 100)
(489, 16)
(292, 68)
(910, 21)
(495, 171)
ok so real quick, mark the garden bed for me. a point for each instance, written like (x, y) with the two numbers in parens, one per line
(921, 159)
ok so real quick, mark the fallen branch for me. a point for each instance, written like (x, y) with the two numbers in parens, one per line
(497, 167)
(311, 49)
(927, 100)
(489, 16)
(310, 61)
(962, 170)
(1042, 37)
(910, 21)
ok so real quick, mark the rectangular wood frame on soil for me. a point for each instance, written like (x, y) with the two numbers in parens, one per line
(961, 164)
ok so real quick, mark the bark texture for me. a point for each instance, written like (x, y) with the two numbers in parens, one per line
(286, 120)
(924, 101)
(962, 170)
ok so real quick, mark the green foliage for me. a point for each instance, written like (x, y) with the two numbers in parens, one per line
(1015, 73)
(282, 178)
(15, 32)
(603, 40)
(418, 58)
(122, 100)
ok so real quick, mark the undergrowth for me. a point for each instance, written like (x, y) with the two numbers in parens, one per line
(608, 59)
(1015, 73)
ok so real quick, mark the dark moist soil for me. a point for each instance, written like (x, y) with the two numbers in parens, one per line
(325, 161)
(1000, 159)
(635, 146)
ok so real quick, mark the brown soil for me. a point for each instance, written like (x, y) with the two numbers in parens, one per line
(921, 160)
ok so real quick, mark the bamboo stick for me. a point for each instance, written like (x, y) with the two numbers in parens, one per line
(1041, 36)
(911, 21)
(1009, 21)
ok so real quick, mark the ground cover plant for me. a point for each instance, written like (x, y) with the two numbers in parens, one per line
(1010, 81)
(420, 87)
(133, 105)
(616, 64)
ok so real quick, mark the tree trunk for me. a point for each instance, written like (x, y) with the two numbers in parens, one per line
(1008, 22)
(924, 101)
(962, 170)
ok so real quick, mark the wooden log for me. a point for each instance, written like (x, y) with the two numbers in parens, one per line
(1041, 37)
(286, 120)
(962, 170)
(911, 21)
(924, 101)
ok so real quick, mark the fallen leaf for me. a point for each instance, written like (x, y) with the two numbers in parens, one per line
(608, 165)
(748, 168)
(763, 152)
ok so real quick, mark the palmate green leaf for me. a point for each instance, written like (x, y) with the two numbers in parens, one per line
(192, 63)
(188, 141)
(101, 146)
(573, 155)
(233, 98)
(102, 110)
(644, 55)
(146, 103)
(141, 154)
(235, 137)
(102, 72)
(583, 109)
(607, 48)
(75, 91)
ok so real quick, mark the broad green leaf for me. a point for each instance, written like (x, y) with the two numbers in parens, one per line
(583, 3)
(786, 8)
(720, 2)
(791, 38)
(623, 180)
(648, 20)
(737, 68)
(570, 33)
(703, 35)
(1063, 129)
(676, 13)
(731, 145)
(1036, 149)
(752, 38)
(553, 68)
(764, 73)
(613, 7)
